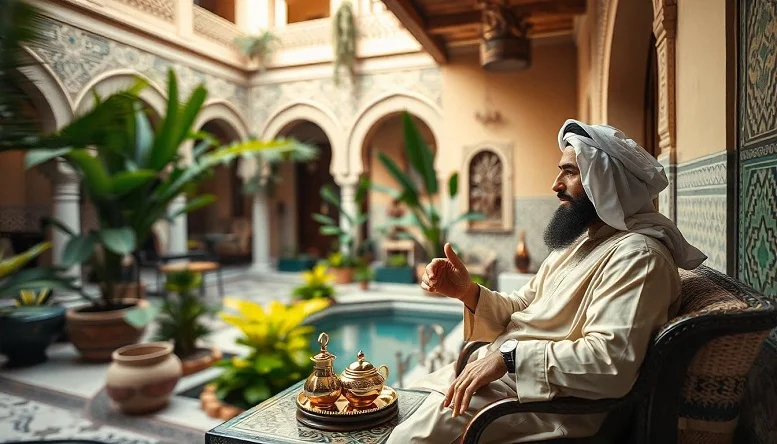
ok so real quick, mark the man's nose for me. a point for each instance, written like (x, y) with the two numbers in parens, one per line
(558, 186)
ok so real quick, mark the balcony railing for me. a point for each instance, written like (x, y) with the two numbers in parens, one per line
(213, 27)
(163, 9)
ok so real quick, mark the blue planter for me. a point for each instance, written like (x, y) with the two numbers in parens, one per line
(397, 275)
(296, 264)
(24, 336)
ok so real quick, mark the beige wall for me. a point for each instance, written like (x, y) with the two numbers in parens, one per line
(534, 103)
(701, 78)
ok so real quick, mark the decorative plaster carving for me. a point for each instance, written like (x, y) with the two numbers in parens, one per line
(163, 9)
(487, 185)
(213, 27)
(664, 29)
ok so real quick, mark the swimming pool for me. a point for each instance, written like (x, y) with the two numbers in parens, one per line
(380, 331)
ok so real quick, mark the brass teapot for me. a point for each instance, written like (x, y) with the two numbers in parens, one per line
(322, 387)
(362, 383)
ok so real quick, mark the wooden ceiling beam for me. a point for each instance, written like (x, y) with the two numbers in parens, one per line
(414, 22)
(443, 24)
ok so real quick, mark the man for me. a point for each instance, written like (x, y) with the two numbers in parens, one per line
(581, 326)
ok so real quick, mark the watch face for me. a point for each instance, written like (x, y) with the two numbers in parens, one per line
(508, 345)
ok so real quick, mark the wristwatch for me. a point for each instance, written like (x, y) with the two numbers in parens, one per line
(508, 354)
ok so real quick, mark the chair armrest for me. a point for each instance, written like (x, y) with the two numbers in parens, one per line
(465, 353)
(564, 405)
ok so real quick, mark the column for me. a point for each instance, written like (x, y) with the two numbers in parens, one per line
(184, 18)
(178, 231)
(261, 232)
(254, 15)
(664, 29)
(348, 201)
(67, 210)
(280, 13)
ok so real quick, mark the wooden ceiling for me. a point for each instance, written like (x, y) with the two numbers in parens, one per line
(439, 25)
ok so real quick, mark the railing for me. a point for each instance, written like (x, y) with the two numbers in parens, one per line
(213, 27)
(163, 9)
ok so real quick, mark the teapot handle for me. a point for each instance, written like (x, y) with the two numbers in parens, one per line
(382, 367)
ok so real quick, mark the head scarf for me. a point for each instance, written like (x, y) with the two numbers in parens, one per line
(621, 179)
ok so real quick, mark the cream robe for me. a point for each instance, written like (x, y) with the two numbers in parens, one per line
(583, 322)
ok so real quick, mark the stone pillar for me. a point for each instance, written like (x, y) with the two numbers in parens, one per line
(665, 30)
(67, 210)
(178, 231)
(261, 232)
(280, 13)
(184, 18)
(335, 4)
(254, 15)
(348, 201)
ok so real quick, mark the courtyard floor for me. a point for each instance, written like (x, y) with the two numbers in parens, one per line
(64, 398)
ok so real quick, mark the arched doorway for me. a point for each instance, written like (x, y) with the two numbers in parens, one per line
(297, 197)
(631, 74)
(27, 194)
(386, 136)
(224, 226)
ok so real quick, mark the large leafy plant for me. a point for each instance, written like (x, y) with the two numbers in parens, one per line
(134, 172)
(15, 279)
(423, 213)
(279, 347)
(346, 236)
(179, 318)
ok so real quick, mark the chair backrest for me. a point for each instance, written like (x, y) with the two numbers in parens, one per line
(715, 379)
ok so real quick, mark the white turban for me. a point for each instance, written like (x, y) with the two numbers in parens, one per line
(621, 179)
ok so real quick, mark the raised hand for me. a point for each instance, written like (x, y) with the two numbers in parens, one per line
(449, 277)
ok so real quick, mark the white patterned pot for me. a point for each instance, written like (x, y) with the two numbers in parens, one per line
(142, 377)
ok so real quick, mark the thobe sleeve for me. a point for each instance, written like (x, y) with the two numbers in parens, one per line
(630, 298)
(494, 309)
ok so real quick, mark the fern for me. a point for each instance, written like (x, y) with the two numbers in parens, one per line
(344, 39)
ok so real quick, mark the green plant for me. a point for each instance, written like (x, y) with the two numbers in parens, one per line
(179, 318)
(346, 237)
(259, 47)
(279, 350)
(396, 261)
(363, 273)
(262, 172)
(31, 298)
(344, 39)
(316, 284)
(133, 173)
(424, 215)
(14, 279)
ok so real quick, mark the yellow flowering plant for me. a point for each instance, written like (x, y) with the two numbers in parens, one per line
(279, 345)
(316, 284)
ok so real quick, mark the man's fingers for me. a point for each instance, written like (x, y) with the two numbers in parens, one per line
(449, 395)
(459, 395)
(468, 392)
(451, 255)
(432, 267)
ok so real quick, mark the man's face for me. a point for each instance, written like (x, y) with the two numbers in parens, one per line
(576, 211)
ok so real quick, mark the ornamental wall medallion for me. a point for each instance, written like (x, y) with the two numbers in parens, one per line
(487, 185)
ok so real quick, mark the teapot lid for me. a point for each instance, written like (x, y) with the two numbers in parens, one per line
(361, 365)
(324, 355)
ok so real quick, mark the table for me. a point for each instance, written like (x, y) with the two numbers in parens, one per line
(274, 422)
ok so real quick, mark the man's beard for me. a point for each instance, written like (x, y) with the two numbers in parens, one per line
(569, 222)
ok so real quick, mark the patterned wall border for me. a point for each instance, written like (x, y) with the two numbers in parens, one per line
(667, 199)
(77, 56)
(702, 199)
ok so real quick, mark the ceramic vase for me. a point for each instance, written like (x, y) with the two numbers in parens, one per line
(142, 377)
(522, 258)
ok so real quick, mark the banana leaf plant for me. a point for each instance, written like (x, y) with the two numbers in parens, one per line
(330, 227)
(421, 202)
(131, 173)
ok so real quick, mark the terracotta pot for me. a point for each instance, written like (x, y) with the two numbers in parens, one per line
(364, 285)
(96, 334)
(201, 359)
(130, 290)
(214, 407)
(343, 275)
(521, 258)
(142, 377)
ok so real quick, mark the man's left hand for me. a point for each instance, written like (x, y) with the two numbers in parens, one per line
(475, 375)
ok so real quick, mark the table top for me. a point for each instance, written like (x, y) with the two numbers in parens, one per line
(196, 266)
(274, 422)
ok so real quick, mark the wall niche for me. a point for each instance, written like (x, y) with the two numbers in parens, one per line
(487, 185)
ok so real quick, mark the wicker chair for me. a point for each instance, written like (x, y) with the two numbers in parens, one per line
(701, 358)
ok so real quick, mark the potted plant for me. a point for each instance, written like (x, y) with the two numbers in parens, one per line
(131, 174)
(179, 322)
(344, 260)
(292, 262)
(423, 212)
(31, 324)
(363, 276)
(279, 355)
(257, 47)
(316, 284)
(396, 270)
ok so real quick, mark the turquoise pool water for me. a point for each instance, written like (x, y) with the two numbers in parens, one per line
(380, 335)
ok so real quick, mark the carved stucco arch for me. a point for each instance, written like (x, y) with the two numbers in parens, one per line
(113, 81)
(282, 119)
(383, 108)
(224, 112)
(47, 93)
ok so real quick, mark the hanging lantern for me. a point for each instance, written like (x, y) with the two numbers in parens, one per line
(505, 44)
